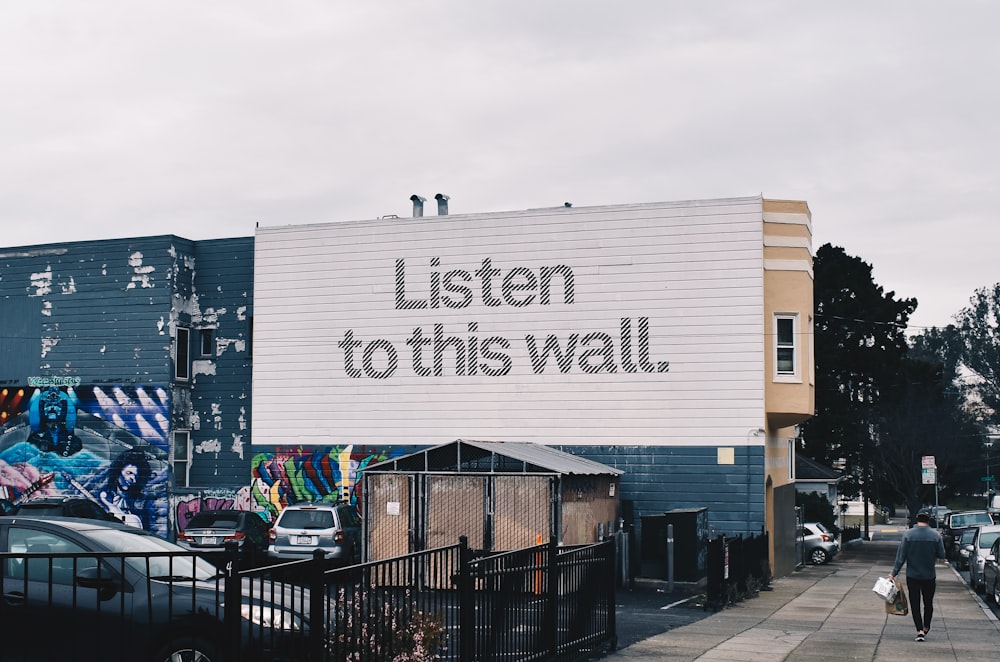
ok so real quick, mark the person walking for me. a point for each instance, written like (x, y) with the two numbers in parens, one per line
(919, 550)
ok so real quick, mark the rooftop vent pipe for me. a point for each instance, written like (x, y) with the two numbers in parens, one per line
(442, 204)
(418, 205)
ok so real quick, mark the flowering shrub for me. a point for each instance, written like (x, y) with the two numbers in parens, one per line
(369, 629)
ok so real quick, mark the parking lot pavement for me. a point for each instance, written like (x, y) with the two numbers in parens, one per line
(820, 613)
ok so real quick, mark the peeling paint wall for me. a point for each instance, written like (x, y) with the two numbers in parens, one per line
(94, 323)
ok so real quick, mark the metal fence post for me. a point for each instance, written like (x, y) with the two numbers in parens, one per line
(551, 599)
(317, 616)
(234, 600)
(466, 603)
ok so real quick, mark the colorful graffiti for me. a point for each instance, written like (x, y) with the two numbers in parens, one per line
(325, 474)
(186, 506)
(105, 443)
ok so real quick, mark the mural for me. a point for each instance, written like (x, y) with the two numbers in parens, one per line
(289, 476)
(185, 506)
(105, 443)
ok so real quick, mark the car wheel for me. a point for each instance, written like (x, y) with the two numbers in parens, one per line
(996, 591)
(187, 649)
(818, 556)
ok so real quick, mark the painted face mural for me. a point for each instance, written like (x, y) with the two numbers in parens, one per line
(103, 443)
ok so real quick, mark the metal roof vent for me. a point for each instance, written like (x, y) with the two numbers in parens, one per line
(418, 205)
(442, 204)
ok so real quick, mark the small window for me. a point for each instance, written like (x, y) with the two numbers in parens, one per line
(182, 458)
(182, 353)
(207, 341)
(785, 357)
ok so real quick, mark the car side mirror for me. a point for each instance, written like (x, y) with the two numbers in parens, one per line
(106, 584)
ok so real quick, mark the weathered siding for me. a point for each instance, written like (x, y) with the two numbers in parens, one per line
(103, 307)
(92, 326)
(220, 382)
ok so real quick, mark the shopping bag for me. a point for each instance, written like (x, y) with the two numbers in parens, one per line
(899, 605)
(886, 588)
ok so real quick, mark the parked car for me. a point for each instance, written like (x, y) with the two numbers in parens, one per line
(991, 572)
(955, 522)
(819, 544)
(982, 541)
(163, 603)
(209, 531)
(334, 528)
(965, 547)
(63, 507)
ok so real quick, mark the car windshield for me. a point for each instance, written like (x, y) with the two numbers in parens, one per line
(971, 519)
(184, 566)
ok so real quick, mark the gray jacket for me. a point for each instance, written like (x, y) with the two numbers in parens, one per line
(920, 548)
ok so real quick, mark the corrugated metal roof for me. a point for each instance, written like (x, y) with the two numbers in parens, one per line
(534, 458)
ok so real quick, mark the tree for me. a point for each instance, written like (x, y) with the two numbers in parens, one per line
(977, 337)
(921, 415)
(859, 345)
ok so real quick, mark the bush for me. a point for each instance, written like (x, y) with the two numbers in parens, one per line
(369, 628)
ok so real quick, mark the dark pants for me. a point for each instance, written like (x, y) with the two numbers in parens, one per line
(921, 591)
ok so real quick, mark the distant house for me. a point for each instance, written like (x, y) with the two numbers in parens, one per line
(811, 476)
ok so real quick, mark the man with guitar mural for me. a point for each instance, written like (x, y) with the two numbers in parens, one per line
(123, 498)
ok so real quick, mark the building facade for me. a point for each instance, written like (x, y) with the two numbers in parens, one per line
(125, 375)
(671, 341)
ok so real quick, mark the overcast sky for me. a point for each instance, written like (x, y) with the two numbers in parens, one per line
(202, 119)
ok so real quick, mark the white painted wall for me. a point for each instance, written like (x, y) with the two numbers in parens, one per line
(688, 277)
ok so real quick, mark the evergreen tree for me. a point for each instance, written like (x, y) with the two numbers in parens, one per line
(859, 345)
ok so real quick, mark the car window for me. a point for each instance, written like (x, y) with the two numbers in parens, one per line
(986, 539)
(307, 519)
(184, 565)
(32, 542)
(970, 519)
(208, 520)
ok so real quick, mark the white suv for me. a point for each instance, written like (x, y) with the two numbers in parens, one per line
(300, 529)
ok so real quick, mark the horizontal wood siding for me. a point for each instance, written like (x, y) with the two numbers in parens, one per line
(658, 479)
(220, 383)
(104, 308)
(691, 274)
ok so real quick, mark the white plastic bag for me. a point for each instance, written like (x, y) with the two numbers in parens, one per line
(886, 589)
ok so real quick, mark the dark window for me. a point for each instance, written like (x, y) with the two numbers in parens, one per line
(207, 338)
(182, 458)
(182, 353)
(785, 345)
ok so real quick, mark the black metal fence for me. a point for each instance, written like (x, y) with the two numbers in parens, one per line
(542, 603)
(737, 568)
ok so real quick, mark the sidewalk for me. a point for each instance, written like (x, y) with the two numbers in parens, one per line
(829, 612)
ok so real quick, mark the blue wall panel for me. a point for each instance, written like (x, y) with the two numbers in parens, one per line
(662, 478)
